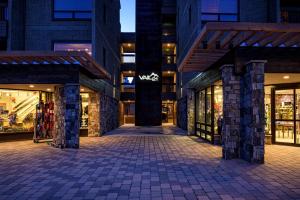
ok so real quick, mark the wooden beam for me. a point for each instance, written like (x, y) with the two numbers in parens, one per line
(226, 41)
(211, 44)
(258, 37)
(243, 36)
(281, 39)
(269, 39)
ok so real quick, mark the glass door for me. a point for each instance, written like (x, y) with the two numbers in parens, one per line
(285, 116)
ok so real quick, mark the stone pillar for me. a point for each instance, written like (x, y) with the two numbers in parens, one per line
(66, 133)
(109, 113)
(231, 112)
(191, 111)
(253, 112)
(94, 115)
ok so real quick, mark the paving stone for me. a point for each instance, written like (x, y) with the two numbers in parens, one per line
(133, 165)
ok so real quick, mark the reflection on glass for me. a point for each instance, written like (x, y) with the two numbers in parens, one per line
(297, 132)
(285, 131)
(17, 110)
(208, 106)
(284, 105)
(201, 109)
(208, 137)
(218, 109)
(268, 110)
(298, 104)
(84, 110)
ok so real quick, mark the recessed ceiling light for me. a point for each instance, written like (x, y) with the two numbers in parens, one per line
(48, 89)
(286, 77)
(31, 86)
(82, 90)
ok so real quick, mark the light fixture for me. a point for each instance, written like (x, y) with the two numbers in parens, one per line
(168, 45)
(169, 72)
(48, 89)
(82, 90)
(130, 72)
(129, 45)
(31, 86)
(286, 77)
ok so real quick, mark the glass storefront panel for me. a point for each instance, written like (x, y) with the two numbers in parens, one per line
(17, 110)
(297, 132)
(285, 131)
(298, 104)
(218, 109)
(201, 109)
(268, 110)
(84, 110)
(208, 106)
(284, 105)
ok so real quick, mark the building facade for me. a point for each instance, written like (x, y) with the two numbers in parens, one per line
(245, 92)
(149, 74)
(84, 27)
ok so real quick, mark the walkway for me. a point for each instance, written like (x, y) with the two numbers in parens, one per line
(139, 165)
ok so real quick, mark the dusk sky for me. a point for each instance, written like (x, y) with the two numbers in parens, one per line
(128, 15)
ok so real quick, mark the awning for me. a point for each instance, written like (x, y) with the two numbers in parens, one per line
(55, 58)
(218, 38)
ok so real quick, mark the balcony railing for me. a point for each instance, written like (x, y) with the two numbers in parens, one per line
(168, 87)
(128, 58)
(169, 60)
(290, 15)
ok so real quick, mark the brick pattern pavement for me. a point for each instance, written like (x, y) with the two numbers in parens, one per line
(144, 167)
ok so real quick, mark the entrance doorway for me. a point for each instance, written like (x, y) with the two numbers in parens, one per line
(168, 112)
(286, 116)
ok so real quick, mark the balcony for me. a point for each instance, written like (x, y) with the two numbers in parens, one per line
(290, 15)
(3, 21)
(168, 91)
(168, 7)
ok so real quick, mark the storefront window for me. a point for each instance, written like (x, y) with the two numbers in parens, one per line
(208, 107)
(298, 116)
(201, 109)
(268, 110)
(17, 110)
(84, 110)
(218, 109)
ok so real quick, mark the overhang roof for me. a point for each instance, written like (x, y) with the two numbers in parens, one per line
(218, 38)
(54, 58)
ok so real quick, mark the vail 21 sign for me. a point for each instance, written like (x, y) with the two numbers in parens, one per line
(152, 77)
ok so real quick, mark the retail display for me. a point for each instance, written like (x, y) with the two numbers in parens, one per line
(84, 110)
(44, 124)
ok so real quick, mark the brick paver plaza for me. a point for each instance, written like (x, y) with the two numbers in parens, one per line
(144, 166)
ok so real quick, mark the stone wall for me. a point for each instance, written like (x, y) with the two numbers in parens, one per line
(253, 113)
(191, 108)
(66, 111)
(109, 114)
(182, 113)
(231, 113)
(94, 114)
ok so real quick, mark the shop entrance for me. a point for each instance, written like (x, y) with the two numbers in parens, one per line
(168, 112)
(286, 116)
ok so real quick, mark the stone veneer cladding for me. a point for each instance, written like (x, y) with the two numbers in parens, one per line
(231, 110)
(182, 113)
(253, 113)
(66, 134)
(191, 112)
(94, 114)
(109, 114)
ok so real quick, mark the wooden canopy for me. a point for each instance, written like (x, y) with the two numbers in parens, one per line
(54, 58)
(218, 38)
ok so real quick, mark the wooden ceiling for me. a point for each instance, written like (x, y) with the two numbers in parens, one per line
(218, 38)
(54, 58)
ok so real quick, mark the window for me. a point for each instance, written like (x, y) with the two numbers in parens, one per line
(72, 9)
(219, 10)
(86, 47)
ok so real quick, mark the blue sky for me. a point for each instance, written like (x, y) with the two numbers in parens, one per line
(128, 15)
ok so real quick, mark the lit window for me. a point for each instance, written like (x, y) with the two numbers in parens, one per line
(73, 9)
(82, 47)
(219, 10)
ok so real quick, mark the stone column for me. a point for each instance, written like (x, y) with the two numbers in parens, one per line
(191, 111)
(253, 112)
(231, 112)
(66, 133)
(94, 115)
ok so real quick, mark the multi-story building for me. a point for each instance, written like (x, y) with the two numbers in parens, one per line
(245, 93)
(149, 73)
(61, 32)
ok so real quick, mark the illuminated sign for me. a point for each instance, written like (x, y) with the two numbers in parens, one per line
(152, 77)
